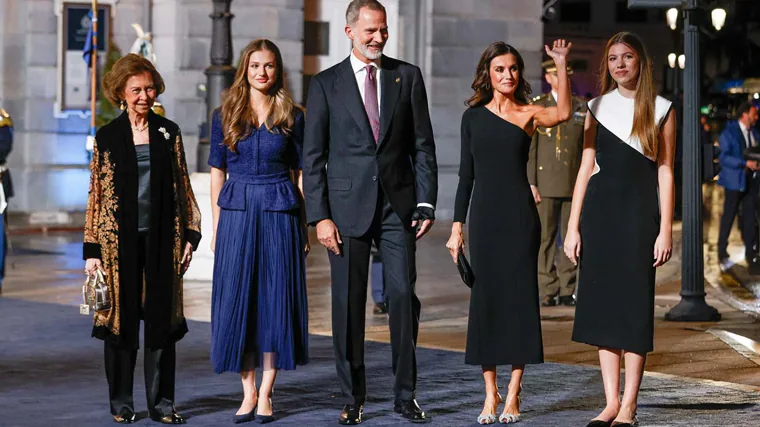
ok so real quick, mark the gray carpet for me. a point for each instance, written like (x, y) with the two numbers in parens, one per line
(51, 374)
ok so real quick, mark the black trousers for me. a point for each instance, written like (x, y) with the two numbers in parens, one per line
(159, 367)
(748, 201)
(349, 298)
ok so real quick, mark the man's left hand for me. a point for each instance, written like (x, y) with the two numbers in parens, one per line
(423, 219)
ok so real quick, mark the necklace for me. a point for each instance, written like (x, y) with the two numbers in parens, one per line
(139, 129)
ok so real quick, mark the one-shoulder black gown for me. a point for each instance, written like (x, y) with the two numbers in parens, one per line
(504, 326)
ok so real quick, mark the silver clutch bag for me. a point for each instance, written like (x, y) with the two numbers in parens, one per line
(95, 295)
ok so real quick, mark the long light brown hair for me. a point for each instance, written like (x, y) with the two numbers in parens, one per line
(238, 118)
(482, 83)
(644, 126)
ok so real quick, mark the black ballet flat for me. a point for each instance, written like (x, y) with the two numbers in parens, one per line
(599, 423)
(245, 418)
(127, 418)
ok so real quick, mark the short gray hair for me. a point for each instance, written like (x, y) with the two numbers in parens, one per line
(352, 12)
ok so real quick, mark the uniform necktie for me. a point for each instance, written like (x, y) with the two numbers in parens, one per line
(370, 101)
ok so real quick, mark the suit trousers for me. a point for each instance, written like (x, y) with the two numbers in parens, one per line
(555, 276)
(349, 272)
(731, 202)
(159, 367)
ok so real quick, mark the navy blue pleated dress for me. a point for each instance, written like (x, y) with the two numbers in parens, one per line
(258, 300)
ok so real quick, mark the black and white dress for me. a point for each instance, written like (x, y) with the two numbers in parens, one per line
(619, 225)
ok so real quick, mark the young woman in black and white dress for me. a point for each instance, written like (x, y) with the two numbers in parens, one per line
(622, 214)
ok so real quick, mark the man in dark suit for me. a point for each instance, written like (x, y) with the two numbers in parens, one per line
(370, 175)
(740, 179)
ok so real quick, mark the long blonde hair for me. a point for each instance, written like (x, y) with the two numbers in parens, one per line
(238, 118)
(644, 126)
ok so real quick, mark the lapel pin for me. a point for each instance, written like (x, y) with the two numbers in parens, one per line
(398, 79)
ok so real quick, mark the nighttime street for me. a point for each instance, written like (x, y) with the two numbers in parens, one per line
(380, 212)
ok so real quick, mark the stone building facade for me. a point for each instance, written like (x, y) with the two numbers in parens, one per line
(444, 37)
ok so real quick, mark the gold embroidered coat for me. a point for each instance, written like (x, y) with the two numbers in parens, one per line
(111, 232)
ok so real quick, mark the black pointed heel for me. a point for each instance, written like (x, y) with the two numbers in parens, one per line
(245, 418)
(264, 419)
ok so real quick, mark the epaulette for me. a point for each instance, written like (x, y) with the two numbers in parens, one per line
(5, 119)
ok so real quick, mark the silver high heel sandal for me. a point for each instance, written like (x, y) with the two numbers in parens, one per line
(507, 418)
(489, 418)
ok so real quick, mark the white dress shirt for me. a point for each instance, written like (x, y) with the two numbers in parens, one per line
(361, 75)
(752, 142)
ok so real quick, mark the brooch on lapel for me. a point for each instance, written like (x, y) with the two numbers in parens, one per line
(398, 79)
(163, 131)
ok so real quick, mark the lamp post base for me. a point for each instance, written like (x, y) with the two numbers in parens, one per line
(693, 309)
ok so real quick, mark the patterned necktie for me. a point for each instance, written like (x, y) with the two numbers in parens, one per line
(370, 101)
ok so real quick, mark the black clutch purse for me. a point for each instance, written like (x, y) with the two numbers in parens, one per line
(465, 271)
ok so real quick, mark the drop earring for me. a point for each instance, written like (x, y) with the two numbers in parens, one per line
(123, 105)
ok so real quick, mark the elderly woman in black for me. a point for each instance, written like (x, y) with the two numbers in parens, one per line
(141, 228)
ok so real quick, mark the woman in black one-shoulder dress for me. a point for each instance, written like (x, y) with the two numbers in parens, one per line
(504, 326)
(622, 215)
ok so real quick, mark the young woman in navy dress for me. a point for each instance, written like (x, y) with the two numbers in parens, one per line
(258, 310)
(621, 220)
(504, 325)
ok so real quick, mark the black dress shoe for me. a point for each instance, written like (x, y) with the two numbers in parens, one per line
(351, 415)
(410, 410)
(125, 418)
(599, 423)
(548, 302)
(173, 418)
(380, 308)
(568, 300)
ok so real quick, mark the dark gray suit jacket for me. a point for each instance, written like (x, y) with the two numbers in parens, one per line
(342, 165)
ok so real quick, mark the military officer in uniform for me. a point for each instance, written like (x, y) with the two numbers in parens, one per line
(555, 156)
(6, 189)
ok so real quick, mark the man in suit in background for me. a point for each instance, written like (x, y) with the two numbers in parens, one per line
(553, 163)
(740, 180)
(370, 175)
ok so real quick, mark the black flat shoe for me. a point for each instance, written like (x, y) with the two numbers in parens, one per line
(599, 423)
(567, 300)
(127, 418)
(245, 418)
(410, 410)
(634, 423)
(173, 418)
(351, 415)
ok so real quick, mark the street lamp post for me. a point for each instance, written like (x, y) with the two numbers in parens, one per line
(692, 306)
(220, 74)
